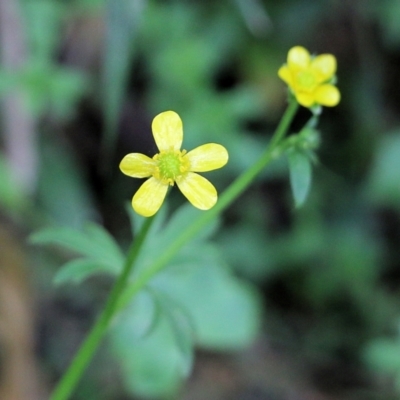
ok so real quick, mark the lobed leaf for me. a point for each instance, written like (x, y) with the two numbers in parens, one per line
(154, 363)
(76, 271)
(94, 243)
(224, 311)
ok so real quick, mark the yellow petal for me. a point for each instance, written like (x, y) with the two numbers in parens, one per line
(327, 95)
(298, 58)
(285, 74)
(324, 67)
(149, 198)
(207, 157)
(305, 99)
(137, 165)
(198, 190)
(168, 131)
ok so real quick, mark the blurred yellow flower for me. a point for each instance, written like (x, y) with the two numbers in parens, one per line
(310, 78)
(171, 165)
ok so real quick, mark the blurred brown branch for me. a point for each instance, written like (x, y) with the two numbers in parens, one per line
(19, 372)
(18, 123)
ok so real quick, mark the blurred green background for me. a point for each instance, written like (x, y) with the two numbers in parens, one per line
(81, 80)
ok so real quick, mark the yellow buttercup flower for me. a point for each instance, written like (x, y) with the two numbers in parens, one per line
(172, 165)
(310, 78)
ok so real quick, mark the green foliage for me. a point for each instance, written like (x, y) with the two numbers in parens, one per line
(223, 309)
(42, 21)
(198, 303)
(387, 13)
(11, 197)
(50, 88)
(163, 233)
(102, 254)
(383, 184)
(199, 261)
(46, 86)
(122, 18)
(155, 362)
(69, 203)
(384, 355)
(300, 155)
(300, 175)
(244, 247)
(194, 301)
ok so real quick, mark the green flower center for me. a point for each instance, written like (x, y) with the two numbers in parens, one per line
(306, 80)
(171, 165)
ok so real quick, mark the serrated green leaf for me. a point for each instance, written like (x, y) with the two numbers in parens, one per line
(92, 243)
(105, 241)
(141, 315)
(300, 175)
(65, 237)
(76, 271)
(181, 326)
(183, 333)
(102, 253)
(224, 310)
(153, 364)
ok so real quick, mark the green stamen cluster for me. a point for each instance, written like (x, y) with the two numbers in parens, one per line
(170, 166)
(306, 80)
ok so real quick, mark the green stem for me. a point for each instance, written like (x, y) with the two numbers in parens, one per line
(228, 196)
(71, 377)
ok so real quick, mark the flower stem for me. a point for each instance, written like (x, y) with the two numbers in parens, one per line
(227, 197)
(71, 377)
